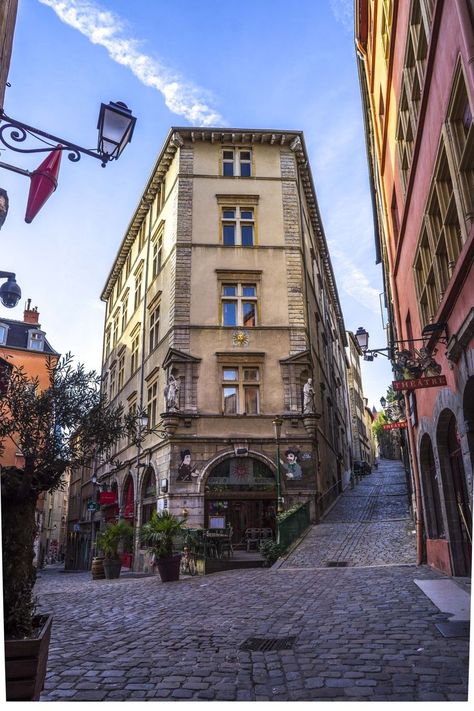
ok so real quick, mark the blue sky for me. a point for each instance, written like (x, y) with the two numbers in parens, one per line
(255, 63)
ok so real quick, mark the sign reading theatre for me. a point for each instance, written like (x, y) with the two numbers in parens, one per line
(417, 383)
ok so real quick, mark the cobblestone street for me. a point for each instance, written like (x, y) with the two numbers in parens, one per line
(364, 632)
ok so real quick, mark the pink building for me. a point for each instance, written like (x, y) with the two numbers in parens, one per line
(417, 79)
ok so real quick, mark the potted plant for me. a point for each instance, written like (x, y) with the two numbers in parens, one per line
(109, 540)
(63, 423)
(159, 533)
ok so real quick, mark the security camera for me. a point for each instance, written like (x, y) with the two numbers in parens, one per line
(10, 292)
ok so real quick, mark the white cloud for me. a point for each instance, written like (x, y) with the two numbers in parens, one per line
(353, 281)
(343, 11)
(108, 30)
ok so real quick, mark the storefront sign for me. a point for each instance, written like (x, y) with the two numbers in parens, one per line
(395, 426)
(417, 383)
(107, 498)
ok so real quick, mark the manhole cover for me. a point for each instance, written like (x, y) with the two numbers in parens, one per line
(265, 644)
(336, 564)
(454, 629)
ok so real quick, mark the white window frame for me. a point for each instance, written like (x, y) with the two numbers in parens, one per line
(240, 299)
(36, 337)
(236, 161)
(240, 384)
(3, 333)
(238, 223)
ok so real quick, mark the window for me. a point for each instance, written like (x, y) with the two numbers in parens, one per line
(240, 390)
(107, 340)
(461, 142)
(237, 226)
(237, 162)
(239, 305)
(3, 334)
(157, 255)
(440, 242)
(134, 351)
(132, 411)
(128, 264)
(112, 392)
(36, 340)
(152, 407)
(141, 236)
(124, 311)
(115, 328)
(138, 288)
(154, 328)
(412, 85)
(121, 371)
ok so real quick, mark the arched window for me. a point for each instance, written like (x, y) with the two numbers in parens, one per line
(128, 500)
(148, 494)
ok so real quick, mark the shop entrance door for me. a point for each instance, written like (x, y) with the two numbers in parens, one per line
(241, 514)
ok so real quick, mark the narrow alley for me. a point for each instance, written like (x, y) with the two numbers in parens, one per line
(360, 630)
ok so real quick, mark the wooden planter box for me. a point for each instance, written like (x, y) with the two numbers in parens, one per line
(25, 663)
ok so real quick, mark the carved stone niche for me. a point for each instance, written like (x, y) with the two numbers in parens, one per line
(295, 371)
(185, 368)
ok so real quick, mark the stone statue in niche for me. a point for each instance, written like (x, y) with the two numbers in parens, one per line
(172, 394)
(308, 397)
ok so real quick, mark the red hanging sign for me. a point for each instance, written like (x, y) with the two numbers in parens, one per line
(395, 426)
(107, 498)
(417, 383)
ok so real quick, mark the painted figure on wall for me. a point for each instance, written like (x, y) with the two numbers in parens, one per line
(172, 394)
(292, 467)
(186, 472)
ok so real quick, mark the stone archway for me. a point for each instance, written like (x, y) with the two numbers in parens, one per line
(240, 492)
(468, 411)
(434, 524)
(458, 515)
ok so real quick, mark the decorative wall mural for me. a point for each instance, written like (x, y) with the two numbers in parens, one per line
(186, 471)
(297, 466)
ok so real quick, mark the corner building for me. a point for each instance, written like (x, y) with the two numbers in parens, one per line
(223, 284)
(416, 70)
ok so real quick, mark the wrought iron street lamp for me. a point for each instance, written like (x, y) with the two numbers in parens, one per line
(116, 124)
(10, 292)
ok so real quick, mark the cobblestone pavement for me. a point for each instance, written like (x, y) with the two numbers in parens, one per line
(369, 525)
(361, 634)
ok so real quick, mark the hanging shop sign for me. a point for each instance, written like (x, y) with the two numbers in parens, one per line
(92, 506)
(417, 383)
(395, 426)
(107, 498)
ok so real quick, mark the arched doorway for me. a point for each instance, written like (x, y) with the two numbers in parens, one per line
(431, 496)
(128, 500)
(148, 495)
(455, 493)
(468, 408)
(241, 493)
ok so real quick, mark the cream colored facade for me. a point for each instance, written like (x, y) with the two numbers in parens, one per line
(169, 312)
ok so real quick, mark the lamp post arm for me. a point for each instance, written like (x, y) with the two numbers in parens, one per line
(19, 132)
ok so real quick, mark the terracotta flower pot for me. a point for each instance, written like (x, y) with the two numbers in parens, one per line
(168, 568)
(26, 661)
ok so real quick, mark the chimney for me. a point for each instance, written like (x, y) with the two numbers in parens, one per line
(30, 315)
